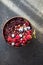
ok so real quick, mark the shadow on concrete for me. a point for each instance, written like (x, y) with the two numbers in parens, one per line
(29, 11)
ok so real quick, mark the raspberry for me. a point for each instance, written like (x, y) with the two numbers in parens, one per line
(24, 40)
(28, 32)
(14, 39)
(25, 34)
(17, 37)
(28, 37)
(9, 39)
(17, 44)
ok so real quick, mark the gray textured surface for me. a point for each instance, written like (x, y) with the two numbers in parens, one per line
(32, 54)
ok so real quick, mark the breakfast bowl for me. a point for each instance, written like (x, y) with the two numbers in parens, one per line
(17, 31)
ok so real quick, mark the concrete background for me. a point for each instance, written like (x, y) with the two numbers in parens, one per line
(32, 54)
